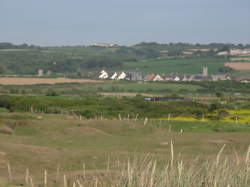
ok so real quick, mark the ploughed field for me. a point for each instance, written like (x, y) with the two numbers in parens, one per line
(64, 145)
(34, 81)
(238, 65)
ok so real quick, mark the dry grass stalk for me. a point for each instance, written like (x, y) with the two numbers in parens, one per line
(172, 153)
(65, 183)
(136, 117)
(31, 182)
(219, 154)
(57, 173)
(45, 178)
(96, 182)
(176, 172)
(84, 170)
(27, 177)
(247, 156)
(152, 175)
(9, 171)
(79, 184)
(169, 128)
(237, 157)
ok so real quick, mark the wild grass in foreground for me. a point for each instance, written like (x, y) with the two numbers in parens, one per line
(215, 172)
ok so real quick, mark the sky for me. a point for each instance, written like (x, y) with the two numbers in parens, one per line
(126, 22)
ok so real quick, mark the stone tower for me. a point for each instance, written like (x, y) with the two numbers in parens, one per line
(40, 73)
(205, 71)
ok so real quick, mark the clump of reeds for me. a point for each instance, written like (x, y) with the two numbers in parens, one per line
(147, 172)
(218, 172)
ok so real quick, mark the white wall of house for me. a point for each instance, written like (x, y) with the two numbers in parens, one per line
(177, 78)
(103, 75)
(122, 75)
(158, 78)
(113, 76)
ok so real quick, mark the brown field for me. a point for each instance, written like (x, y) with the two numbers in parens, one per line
(126, 94)
(238, 65)
(32, 81)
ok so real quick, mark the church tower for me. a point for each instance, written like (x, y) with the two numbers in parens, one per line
(205, 71)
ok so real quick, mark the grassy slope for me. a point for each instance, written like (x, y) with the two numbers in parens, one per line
(56, 139)
(185, 65)
(53, 54)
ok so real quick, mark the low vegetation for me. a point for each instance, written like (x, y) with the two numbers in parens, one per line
(60, 150)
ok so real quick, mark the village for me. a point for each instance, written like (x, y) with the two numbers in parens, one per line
(137, 76)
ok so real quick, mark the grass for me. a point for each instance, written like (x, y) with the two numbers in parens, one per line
(48, 140)
(106, 86)
(180, 65)
(222, 169)
(240, 59)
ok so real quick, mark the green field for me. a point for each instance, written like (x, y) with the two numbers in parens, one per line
(159, 88)
(179, 65)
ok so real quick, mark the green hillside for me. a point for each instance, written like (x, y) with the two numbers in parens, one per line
(180, 65)
(145, 58)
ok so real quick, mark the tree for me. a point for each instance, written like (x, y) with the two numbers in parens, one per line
(2, 69)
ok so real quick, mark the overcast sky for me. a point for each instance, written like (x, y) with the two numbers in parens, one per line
(80, 22)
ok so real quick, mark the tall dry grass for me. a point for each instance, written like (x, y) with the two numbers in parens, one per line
(220, 171)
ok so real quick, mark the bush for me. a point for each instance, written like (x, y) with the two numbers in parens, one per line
(52, 93)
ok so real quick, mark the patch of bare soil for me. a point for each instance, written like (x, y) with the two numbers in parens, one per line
(88, 131)
(238, 65)
(128, 94)
(220, 141)
(32, 148)
(32, 81)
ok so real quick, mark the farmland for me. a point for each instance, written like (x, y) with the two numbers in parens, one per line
(180, 65)
(91, 86)
(74, 60)
(238, 65)
(80, 132)
(35, 81)
(70, 131)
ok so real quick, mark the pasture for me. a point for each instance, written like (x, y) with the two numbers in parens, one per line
(180, 65)
(83, 86)
(39, 142)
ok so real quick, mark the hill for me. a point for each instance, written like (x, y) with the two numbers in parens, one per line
(145, 57)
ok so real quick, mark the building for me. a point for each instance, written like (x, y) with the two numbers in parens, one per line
(103, 75)
(134, 76)
(49, 73)
(121, 76)
(153, 77)
(219, 78)
(40, 73)
(113, 76)
(103, 45)
(205, 71)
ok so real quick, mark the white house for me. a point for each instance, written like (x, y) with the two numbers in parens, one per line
(114, 76)
(157, 78)
(177, 78)
(103, 75)
(185, 78)
(121, 76)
